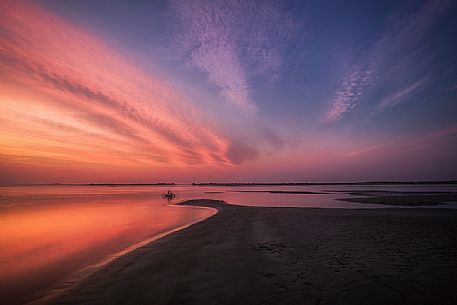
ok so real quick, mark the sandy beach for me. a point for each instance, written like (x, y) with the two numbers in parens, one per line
(262, 255)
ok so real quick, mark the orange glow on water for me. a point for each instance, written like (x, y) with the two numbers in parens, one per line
(46, 238)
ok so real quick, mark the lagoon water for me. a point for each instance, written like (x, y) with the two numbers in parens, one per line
(50, 233)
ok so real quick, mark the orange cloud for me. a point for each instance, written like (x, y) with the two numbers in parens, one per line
(68, 96)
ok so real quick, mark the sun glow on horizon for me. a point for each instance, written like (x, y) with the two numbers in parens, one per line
(242, 94)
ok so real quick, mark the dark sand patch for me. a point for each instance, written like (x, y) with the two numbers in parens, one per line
(405, 200)
(253, 255)
(383, 192)
(281, 192)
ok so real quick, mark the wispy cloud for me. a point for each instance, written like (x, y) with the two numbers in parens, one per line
(369, 150)
(393, 57)
(348, 96)
(69, 96)
(404, 144)
(439, 138)
(400, 95)
(232, 41)
(452, 88)
(429, 139)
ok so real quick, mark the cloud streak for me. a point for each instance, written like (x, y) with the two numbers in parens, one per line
(400, 95)
(67, 95)
(392, 58)
(401, 144)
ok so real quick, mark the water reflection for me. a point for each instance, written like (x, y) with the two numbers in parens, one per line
(50, 232)
(45, 236)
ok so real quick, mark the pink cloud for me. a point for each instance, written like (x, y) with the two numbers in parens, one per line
(67, 95)
(346, 99)
(231, 41)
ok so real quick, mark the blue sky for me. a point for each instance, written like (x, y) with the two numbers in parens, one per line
(363, 58)
(286, 79)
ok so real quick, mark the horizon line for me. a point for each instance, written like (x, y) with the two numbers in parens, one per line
(237, 183)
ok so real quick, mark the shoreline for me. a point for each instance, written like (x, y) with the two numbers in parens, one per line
(74, 279)
(286, 255)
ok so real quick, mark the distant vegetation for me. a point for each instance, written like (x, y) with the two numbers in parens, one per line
(326, 183)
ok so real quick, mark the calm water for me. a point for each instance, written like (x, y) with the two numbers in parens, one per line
(48, 234)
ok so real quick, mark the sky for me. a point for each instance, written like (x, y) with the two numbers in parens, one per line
(227, 91)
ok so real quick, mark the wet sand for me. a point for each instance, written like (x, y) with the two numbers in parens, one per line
(252, 255)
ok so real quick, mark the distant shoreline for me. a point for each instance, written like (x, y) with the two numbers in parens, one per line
(441, 182)
(328, 183)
